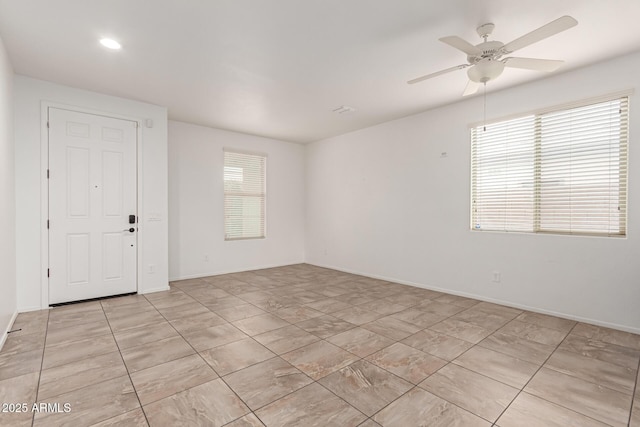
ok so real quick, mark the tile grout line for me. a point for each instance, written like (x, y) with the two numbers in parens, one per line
(125, 367)
(78, 360)
(290, 364)
(281, 358)
(509, 355)
(633, 396)
(205, 362)
(44, 347)
(395, 341)
(414, 386)
(534, 374)
(302, 372)
(449, 362)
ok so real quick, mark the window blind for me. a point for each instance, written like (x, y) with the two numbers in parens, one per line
(502, 168)
(244, 195)
(562, 171)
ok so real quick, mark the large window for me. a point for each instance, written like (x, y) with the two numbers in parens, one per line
(562, 171)
(244, 195)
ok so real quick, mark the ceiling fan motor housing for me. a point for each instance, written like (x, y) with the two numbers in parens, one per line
(487, 65)
(490, 50)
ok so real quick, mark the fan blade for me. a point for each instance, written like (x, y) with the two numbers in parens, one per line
(472, 87)
(548, 30)
(460, 44)
(547, 65)
(428, 76)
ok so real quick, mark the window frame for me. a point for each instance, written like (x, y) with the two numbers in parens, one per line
(538, 162)
(262, 194)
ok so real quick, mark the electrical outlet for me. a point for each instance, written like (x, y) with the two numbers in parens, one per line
(151, 268)
(206, 257)
(496, 277)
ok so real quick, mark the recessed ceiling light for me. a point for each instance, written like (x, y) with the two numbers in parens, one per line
(110, 43)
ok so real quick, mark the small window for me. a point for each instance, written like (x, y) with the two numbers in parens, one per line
(563, 171)
(244, 195)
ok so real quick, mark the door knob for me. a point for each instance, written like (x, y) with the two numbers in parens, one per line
(130, 230)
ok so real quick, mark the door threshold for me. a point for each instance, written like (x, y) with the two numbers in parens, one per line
(60, 304)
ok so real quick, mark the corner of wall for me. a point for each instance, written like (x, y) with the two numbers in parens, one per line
(5, 335)
(8, 286)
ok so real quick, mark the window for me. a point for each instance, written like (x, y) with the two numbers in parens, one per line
(244, 195)
(562, 171)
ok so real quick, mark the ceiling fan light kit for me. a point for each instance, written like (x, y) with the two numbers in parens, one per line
(485, 60)
(485, 70)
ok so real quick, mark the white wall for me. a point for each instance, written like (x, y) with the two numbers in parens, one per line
(382, 202)
(7, 199)
(196, 222)
(30, 95)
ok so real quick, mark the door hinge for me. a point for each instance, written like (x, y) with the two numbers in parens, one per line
(47, 125)
(47, 173)
(47, 224)
(48, 273)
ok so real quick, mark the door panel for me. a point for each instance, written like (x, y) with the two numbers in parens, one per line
(113, 256)
(77, 182)
(112, 186)
(78, 249)
(92, 192)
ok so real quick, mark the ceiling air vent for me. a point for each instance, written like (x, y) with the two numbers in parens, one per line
(344, 109)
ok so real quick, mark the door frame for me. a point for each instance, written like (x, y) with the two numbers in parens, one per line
(44, 190)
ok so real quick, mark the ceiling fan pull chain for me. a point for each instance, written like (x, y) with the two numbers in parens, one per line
(484, 112)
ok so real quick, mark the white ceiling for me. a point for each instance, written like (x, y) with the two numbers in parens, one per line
(278, 68)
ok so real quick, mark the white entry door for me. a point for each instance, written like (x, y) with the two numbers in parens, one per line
(92, 193)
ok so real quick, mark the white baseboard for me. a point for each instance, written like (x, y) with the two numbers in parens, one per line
(220, 272)
(32, 308)
(625, 328)
(5, 334)
(150, 291)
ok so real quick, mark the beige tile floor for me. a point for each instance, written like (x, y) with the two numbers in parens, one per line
(306, 346)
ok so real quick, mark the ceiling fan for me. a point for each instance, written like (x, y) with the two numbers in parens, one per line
(486, 62)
